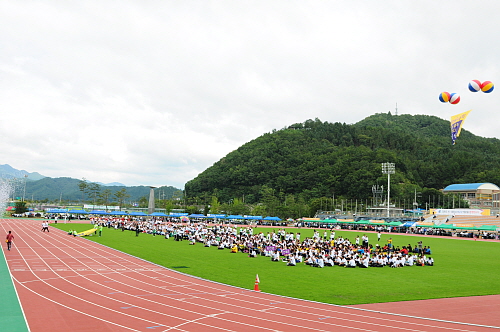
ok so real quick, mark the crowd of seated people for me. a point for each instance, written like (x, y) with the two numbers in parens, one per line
(320, 250)
(317, 251)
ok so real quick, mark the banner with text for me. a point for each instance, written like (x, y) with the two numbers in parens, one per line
(461, 212)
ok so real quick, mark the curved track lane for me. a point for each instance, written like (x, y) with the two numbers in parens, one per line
(72, 284)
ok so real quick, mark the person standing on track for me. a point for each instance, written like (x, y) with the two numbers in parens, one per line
(9, 238)
(45, 226)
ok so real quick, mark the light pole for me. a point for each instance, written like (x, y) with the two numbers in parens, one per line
(24, 191)
(388, 168)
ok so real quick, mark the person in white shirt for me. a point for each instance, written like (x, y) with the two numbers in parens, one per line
(310, 261)
(329, 261)
(410, 261)
(365, 261)
(351, 263)
(429, 261)
(320, 262)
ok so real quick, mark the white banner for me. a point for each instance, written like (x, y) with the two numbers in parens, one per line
(100, 207)
(461, 212)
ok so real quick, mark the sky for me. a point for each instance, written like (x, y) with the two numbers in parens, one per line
(152, 93)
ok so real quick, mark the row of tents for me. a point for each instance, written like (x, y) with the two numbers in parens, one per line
(411, 224)
(161, 214)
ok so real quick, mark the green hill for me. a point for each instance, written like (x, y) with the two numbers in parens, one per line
(317, 159)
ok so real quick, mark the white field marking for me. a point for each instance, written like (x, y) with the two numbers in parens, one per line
(299, 318)
(97, 305)
(73, 309)
(302, 306)
(254, 317)
(194, 321)
(252, 296)
(175, 307)
(338, 318)
(363, 322)
(102, 286)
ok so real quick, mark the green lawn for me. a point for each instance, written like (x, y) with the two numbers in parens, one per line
(462, 268)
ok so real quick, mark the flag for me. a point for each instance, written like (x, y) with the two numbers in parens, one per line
(456, 123)
(257, 279)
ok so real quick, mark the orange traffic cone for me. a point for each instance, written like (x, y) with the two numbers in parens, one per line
(256, 285)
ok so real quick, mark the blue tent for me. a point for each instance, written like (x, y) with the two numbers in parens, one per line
(253, 217)
(197, 216)
(272, 218)
(119, 213)
(177, 214)
(158, 214)
(78, 211)
(135, 213)
(101, 212)
(235, 217)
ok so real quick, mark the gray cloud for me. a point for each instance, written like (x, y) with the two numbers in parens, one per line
(154, 92)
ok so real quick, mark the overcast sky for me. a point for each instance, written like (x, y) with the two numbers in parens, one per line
(154, 92)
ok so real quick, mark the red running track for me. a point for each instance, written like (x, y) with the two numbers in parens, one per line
(72, 284)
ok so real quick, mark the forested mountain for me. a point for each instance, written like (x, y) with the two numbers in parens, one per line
(320, 159)
(68, 189)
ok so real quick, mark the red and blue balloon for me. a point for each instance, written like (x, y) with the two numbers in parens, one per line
(452, 98)
(486, 86)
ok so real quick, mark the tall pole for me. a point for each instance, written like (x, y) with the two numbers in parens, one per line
(333, 202)
(388, 168)
(24, 192)
(151, 202)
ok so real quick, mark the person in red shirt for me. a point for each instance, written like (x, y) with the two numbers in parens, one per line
(9, 239)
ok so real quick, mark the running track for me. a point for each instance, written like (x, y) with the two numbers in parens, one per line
(72, 284)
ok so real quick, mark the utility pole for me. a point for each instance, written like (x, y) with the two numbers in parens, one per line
(388, 168)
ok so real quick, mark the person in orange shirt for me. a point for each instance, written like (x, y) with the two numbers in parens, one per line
(9, 239)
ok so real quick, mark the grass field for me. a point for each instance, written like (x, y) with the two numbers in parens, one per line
(462, 268)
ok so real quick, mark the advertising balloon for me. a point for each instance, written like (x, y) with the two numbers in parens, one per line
(487, 87)
(454, 98)
(444, 97)
(475, 85)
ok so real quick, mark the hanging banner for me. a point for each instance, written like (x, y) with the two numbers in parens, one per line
(461, 212)
(456, 123)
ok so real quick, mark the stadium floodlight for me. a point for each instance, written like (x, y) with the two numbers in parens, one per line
(388, 168)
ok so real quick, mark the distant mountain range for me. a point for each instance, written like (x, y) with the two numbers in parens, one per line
(39, 187)
(7, 171)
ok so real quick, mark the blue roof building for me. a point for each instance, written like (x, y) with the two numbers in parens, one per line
(479, 195)
(471, 186)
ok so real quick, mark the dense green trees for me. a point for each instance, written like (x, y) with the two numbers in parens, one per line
(21, 207)
(308, 161)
